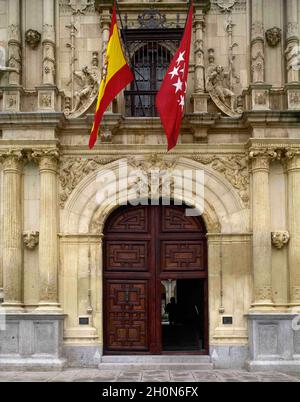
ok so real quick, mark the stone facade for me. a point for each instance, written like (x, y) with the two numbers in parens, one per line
(241, 128)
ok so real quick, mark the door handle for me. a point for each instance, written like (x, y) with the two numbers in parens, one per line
(127, 296)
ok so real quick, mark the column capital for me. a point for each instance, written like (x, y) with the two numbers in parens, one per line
(47, 159)
(261, 158)
(292, 158)
(13, 160)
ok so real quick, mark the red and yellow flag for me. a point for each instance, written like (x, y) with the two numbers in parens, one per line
(115, 77)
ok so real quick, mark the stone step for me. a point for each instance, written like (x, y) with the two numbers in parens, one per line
(186, 362)
(156, 366)
(156, 359)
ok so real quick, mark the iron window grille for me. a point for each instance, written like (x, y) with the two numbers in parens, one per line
(151, 51)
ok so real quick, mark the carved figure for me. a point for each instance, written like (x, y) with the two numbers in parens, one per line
(89, 82)
(216, 83)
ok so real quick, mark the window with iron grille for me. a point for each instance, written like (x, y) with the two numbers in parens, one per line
(151, 51)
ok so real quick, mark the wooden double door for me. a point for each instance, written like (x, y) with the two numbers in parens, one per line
(144, 246)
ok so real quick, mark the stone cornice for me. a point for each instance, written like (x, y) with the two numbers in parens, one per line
(35, 120)
(271, 118)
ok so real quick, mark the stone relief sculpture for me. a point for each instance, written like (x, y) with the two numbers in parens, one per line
(217, 84)
(80, 6)
(89, 83)
(273, 36)
(280, 239)
(225, 5)
(33, 38)
(31, 240)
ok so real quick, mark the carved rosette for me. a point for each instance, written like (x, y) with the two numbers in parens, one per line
(31, 240)
(280, 239)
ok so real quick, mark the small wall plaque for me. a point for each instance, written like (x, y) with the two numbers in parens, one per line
(227, 320)
(84, 321)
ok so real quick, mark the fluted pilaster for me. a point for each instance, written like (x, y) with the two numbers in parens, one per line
(12, 229)
(48, 241)
(293, 172)
(261, 220)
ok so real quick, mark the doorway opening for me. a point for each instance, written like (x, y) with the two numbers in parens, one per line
(183, 315)
(151, 254)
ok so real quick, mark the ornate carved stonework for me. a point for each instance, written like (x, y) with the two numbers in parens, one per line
(73, 170)
(273, 36)
(225, 5)
(280, 239)
(151, 19)
(31, 240)
(14, 54)
(33, 38)
(233, 167)
(80, 6)
(152, 176)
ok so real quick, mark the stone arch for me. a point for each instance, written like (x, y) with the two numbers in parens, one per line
(98, 194)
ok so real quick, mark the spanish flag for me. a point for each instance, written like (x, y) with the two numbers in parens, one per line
(116, 76)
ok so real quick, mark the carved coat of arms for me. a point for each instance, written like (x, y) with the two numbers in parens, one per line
(225, 5)
(79, 6)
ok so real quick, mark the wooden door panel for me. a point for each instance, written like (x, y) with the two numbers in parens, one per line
(132, 220)
(182, 256)
(174, 220)
(127, 315)
(127, 256)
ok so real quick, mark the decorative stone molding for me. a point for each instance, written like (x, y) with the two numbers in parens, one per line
(233, 167)
(73, 170)
(49, 60)
(33, 38)
(273, 36)
(280, 239)
(31, 240)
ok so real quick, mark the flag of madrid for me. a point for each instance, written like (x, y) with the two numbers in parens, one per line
(170, 99)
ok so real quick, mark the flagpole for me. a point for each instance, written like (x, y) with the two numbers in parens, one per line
(129, 56)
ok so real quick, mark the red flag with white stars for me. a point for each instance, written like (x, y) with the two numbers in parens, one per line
(170, 99)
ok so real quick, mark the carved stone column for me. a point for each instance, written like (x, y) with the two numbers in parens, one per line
(200, 98)
(12, 93)
(292, 55)
(261, 220)
(48, 240)
(47, 92)
(12, 229)
(260, 92)
(293, 171)
(14, 42)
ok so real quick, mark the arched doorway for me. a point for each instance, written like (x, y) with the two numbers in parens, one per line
(153, 253)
